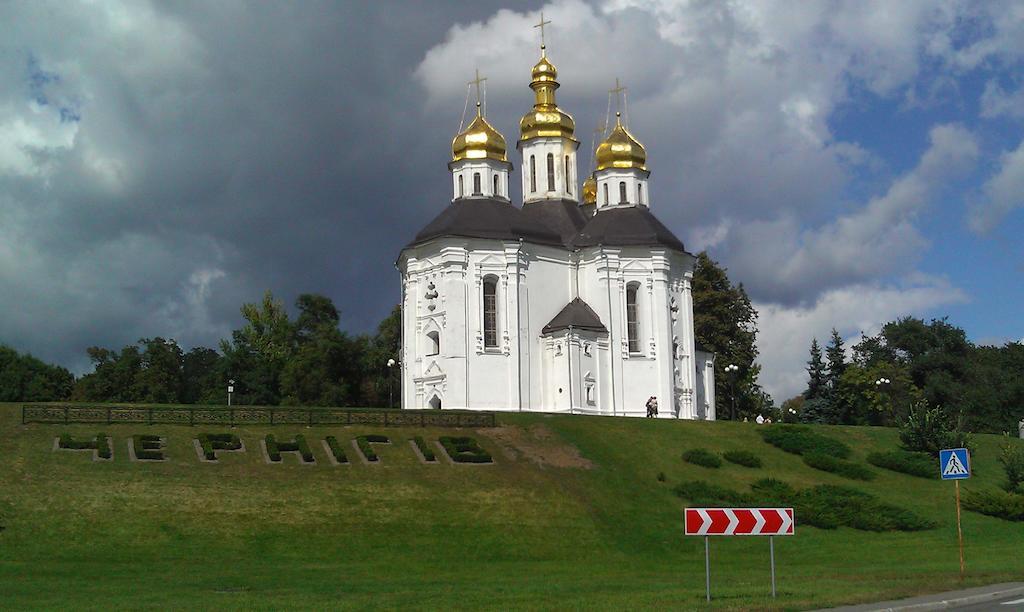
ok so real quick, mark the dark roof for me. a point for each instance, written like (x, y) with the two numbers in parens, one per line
(486, 218)
(632, 226)
(552, 222)
(576, 314)
(561, 216)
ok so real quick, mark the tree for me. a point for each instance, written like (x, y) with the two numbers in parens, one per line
(930, 430)
(316, 374)
(384, 346)
(725, 323)
(113, 376)
(23, 378)
(257, 353)
(859, 398)
(158, 379)
(201, 377)
(816, 378)
(836, 357)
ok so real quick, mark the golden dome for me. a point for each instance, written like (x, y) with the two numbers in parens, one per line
(621, 150)
(590, 190)
(479, 141)
(546, 120)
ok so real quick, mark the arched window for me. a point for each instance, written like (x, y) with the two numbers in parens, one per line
(551, 172)
(639, 193)
(568, 178)
(490, 312)
(435, 403)
(433, 343)
(533, 173)
(622, 192)
(497, 192)
(462, 190)
(606, 202)
(476, 183)
(632, 320)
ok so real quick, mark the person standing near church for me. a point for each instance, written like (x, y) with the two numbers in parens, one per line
(652, 407)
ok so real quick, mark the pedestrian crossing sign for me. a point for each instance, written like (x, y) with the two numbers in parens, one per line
(954, 463)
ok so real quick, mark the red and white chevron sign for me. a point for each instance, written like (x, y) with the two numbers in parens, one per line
(739, 521)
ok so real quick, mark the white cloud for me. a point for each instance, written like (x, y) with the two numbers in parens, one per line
(1003, 192)
(996, 101)
(786, 262)
(785, 333)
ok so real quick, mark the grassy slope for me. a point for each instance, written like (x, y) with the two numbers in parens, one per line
(248, 535)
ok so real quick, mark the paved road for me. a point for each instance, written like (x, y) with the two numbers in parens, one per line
(1006, 597)
(1010, 603)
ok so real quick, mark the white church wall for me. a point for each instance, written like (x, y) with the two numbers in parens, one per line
(464, 183)
(537, 187)
(612, 181)
(547, 289)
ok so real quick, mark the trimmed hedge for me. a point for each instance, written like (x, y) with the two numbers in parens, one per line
(913, 463)
(802, 440)
(147, 446)
(212, 442)
(103, 446)
(1000, 504)
(363, 442)
(339, 454)
(425, 450)
(742, 457)
(702, 457)
(846, 469)
(823, 506)
(66, 441)
(299, 445)
(463, 449)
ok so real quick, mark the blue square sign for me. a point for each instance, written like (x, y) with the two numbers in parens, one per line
(954, 463)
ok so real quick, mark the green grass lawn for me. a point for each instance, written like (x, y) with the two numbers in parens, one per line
(246, 535)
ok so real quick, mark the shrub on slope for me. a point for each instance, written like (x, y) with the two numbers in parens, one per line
(802, 440)
(823, 506)
(913, 463)
(702, 457)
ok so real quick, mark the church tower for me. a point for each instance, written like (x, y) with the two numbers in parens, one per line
(479, 166)
(621, 172)
(547, 141)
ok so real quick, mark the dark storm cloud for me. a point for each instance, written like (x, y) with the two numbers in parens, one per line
(219, 149)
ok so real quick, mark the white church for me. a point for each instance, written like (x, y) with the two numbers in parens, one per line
(577, 301)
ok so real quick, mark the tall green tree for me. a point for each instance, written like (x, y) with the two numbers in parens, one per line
(816, 379)
(836, 356)
(316, 373)
(257, 353)
(725, 322)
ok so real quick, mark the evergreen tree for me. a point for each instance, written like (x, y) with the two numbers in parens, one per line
(725, 323)
(836, 357)
(815, 373)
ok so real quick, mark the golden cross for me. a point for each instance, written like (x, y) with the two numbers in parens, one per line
(477, 81)
(619, 89)
(541, 26)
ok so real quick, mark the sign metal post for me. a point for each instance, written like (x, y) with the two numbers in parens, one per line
(955, 465)
(737, 522)
(707, 566)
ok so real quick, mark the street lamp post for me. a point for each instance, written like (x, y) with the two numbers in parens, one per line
(731, 370)
(391, 365)
(878, 385)
(231, 389)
